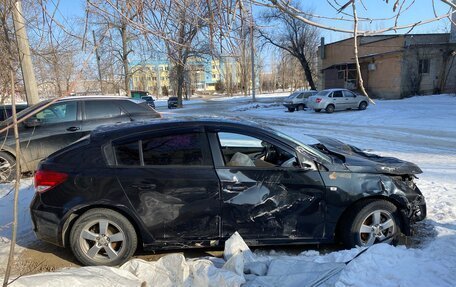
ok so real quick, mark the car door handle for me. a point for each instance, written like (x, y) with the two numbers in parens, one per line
(235, 188)
(73, 129)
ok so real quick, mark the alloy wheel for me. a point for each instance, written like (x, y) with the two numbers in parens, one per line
(378, 226)
(5, 169)
(102, 240)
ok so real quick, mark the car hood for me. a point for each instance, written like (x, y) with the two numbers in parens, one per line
(358, 161)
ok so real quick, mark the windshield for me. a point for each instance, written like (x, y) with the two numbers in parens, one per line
(312, 151)
(147, 98)
(27, 111)
(322, 93)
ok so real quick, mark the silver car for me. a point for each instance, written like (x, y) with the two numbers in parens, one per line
(298, 100)
(337, 99)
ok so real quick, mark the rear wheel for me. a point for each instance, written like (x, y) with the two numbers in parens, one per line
(103, 237)
(291, 110)
(371, 222)
(7, 167)
(330, 109)
(362, 106)
(300, 107)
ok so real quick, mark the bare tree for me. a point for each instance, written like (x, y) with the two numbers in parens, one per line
(179, 23)
(117, 15)
(294, 36)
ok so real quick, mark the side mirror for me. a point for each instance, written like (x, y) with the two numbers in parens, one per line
(306, 166)
(32, 122)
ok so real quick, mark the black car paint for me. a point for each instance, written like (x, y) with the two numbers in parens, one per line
(37, 142)
(201, 206)
(172, 102)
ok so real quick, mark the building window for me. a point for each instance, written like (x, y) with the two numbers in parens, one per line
(423, 66)
(341, 74)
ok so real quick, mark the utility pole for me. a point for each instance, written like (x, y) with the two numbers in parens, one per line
(252, 53)
(25, 58)
(98, 61)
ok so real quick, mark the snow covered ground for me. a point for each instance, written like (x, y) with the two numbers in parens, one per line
(418, 129)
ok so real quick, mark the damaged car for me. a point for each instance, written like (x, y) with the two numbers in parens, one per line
(193, 182)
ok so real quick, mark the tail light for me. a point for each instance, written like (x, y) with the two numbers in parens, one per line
(46, 180)
(318, 100)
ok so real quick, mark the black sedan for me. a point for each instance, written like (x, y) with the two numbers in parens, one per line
(194, 182)
(62, 123)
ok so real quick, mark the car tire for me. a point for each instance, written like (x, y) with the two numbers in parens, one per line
(291, 110)
(93, 246)
(7, 167)
(330, 109)
(362, 106)
(300, 107)
(371, 222)
(317, 110)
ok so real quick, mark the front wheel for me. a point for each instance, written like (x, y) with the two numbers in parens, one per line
(103, 237)
(7, 167)
(362, 106)
(371, 222)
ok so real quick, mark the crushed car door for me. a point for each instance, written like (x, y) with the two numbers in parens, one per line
(171, 183)
(265, 193)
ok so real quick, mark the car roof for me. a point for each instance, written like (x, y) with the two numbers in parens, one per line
(122, 129)
(91, 97)
(334, 89)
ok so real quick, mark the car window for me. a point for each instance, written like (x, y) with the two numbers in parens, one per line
(248, 151)
(349, 94)
(323, 93)
(300, 96)
(131, 107)
(59, 113)
(337, 94)
(306, 95)
(127, 153)
(101, 110)
(179, 149)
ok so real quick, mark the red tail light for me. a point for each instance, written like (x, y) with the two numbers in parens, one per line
(46, 180)
(318, 100)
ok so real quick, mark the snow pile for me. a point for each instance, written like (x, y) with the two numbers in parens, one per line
(380, 265)
(174, 270)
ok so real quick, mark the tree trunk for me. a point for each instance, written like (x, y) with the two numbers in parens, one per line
(307, 72)
(124, 34)
(180, 83)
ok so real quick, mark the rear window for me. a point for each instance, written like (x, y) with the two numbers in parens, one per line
(131, 107)
(322, 93)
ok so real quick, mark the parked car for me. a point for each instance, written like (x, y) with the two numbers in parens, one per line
(298, 100)
(6, 110)
(172, 102)
(192, 183)
(62, 123)
(337, 99)
(150, 101)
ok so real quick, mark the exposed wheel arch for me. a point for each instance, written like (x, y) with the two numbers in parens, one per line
(71, 219)
(348, 209)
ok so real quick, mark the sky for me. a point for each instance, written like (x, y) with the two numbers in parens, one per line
(419, 11)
